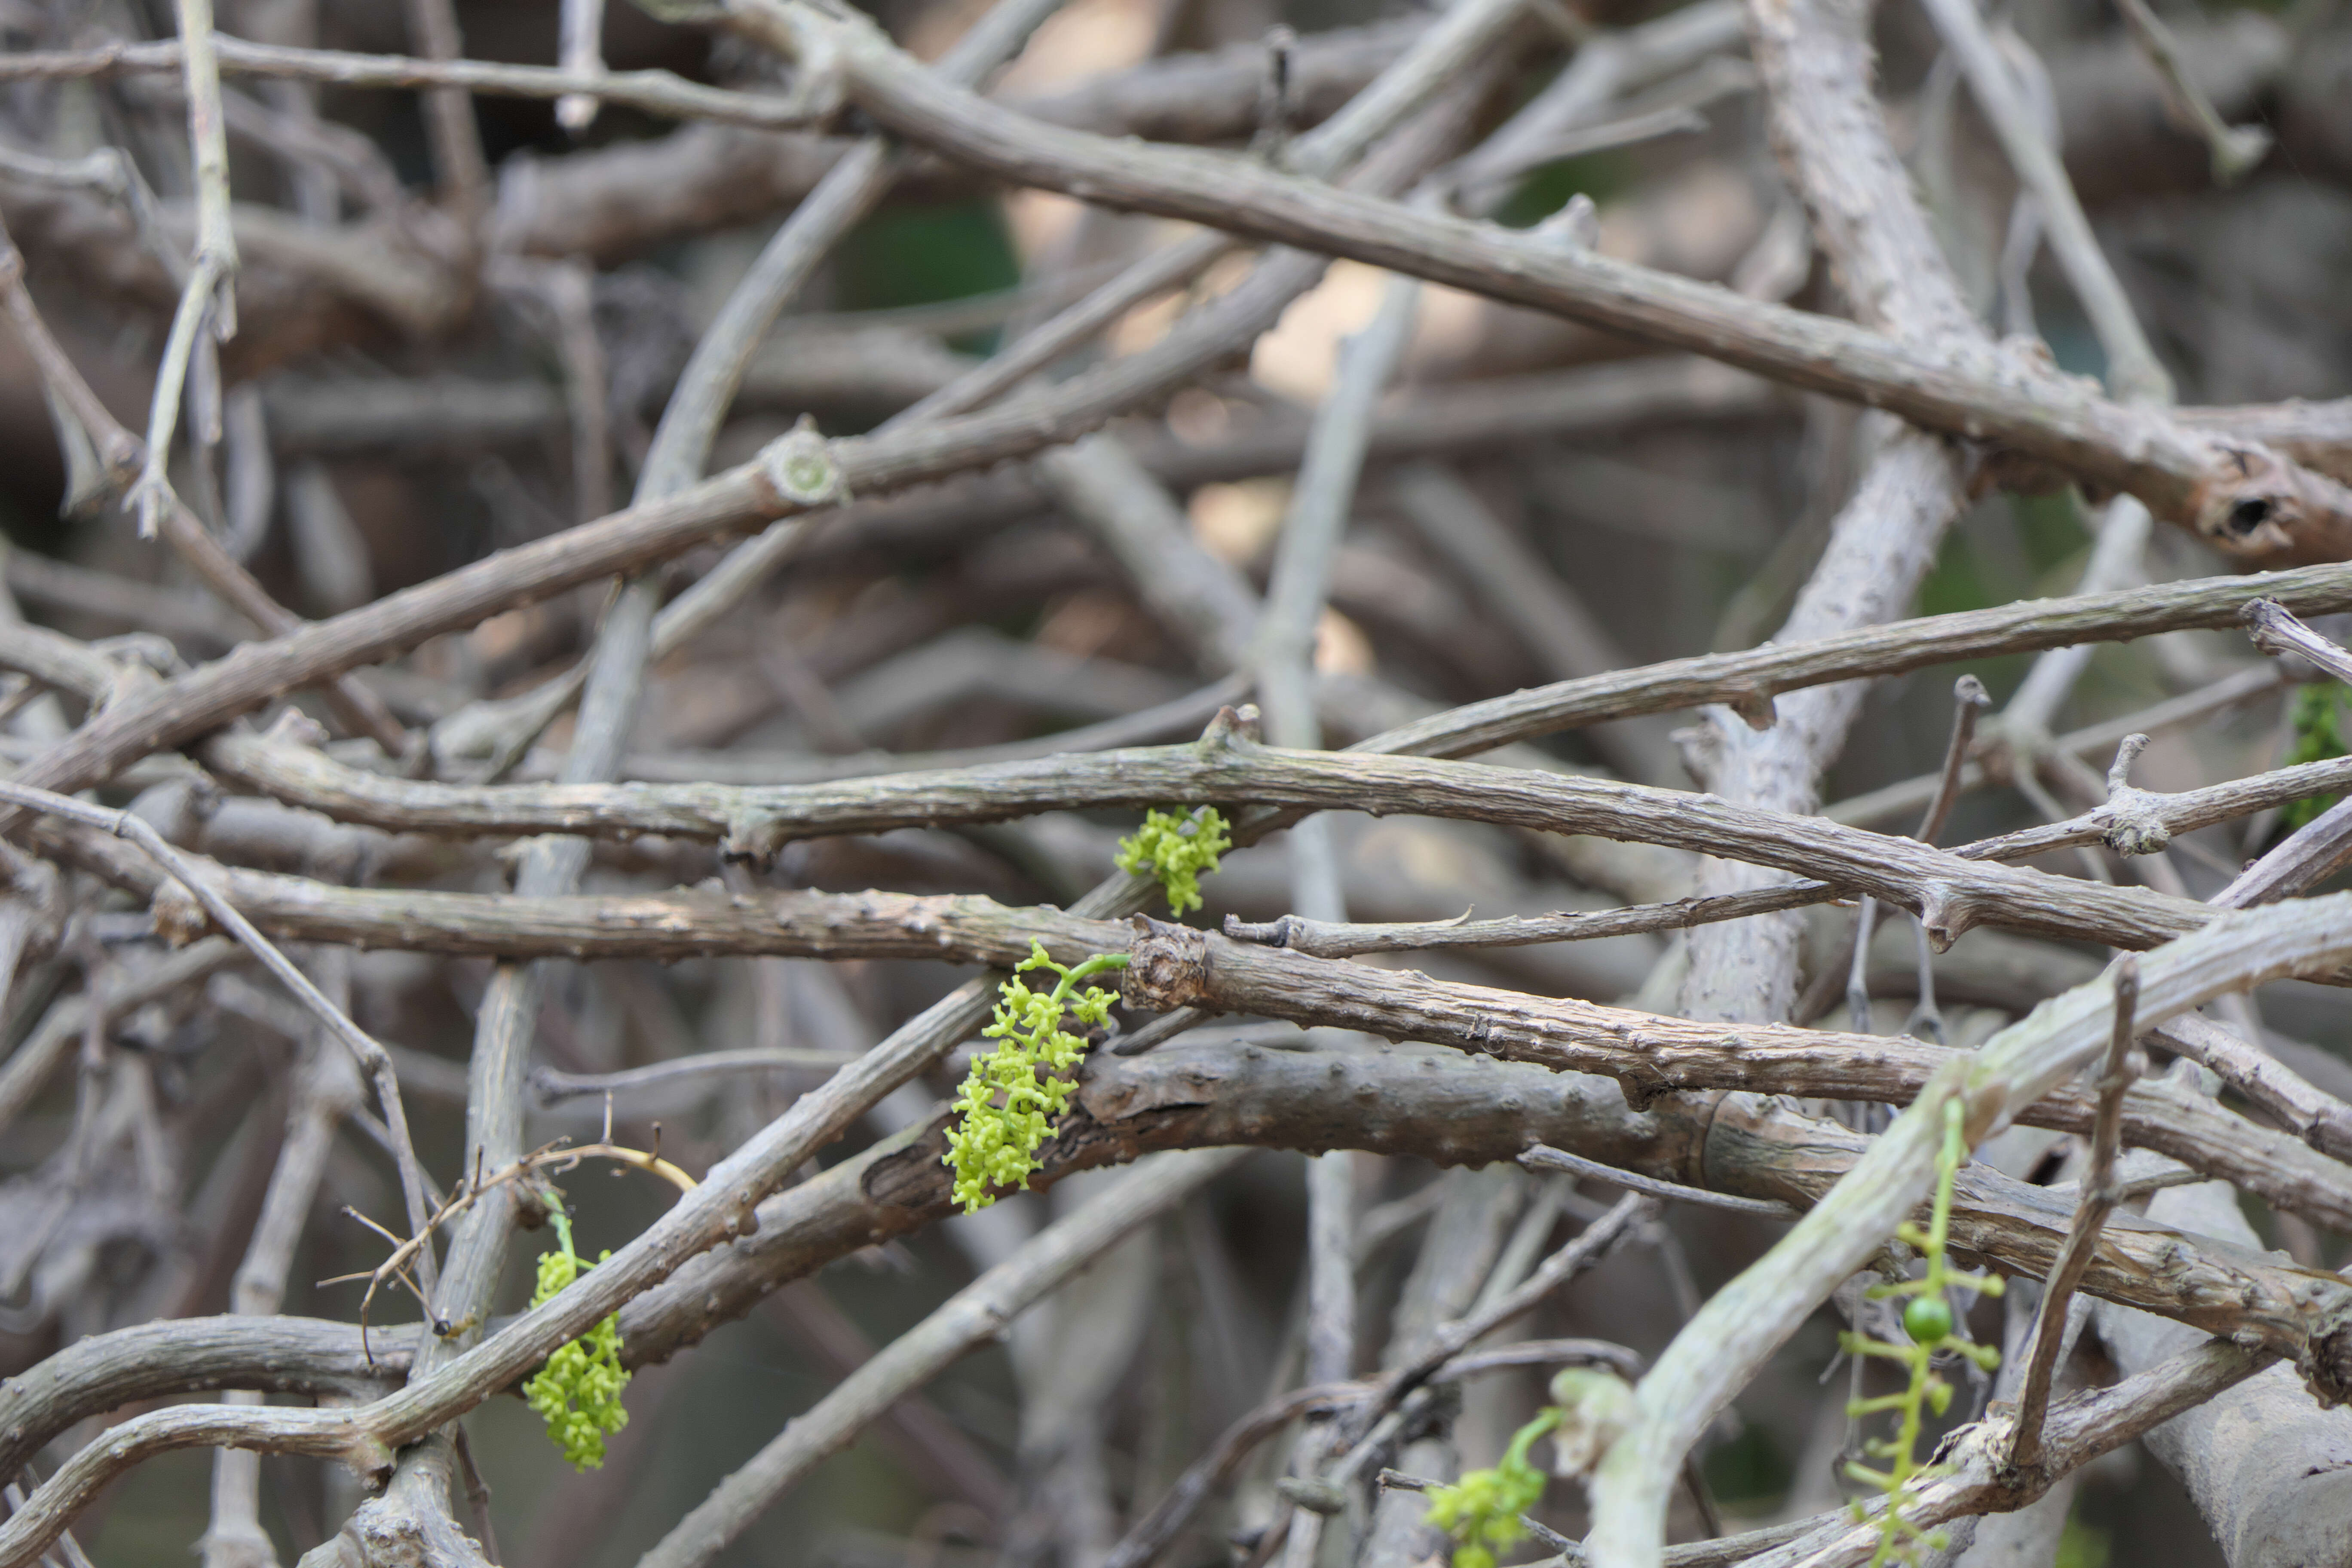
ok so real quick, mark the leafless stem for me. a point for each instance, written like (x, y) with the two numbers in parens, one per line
(208, 307)
(2133, 374)
(2318, 1118)
(370, 1056)
(327, 1089)
(553, 1088)
(1926, 382)
(2098, 1200)
(2277, 632)
(449, 125)
(974, 1315)
(658, 93)
(1544, 1158)
(124, 454)
(582, 54)
(2235, 148)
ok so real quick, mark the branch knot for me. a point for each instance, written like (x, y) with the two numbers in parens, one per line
(1166, 968)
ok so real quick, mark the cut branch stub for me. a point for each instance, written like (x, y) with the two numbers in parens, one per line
(1231, 726)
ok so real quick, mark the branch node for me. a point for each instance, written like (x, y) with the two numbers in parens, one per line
(1231, 727)
(1280, 931)
(754, 837)
(2132, 820)
(178, 916)
(295, 727)
(1754, 707)
(369, 1458)
(801, 469)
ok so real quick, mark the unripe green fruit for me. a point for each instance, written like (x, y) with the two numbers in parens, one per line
(1927, 1319)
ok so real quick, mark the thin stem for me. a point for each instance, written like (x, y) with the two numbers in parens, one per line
(2133, 372)
(207, 305)
(123, 455)
(582, 52)
(370, 1056)
(449, 126)
(1544, 1158)
(2098, 1199)
(656, 92)
(2271, 508)
(974, 1315)
(2235, 149)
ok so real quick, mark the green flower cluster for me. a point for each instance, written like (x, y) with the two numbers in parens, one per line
(1482, 1511)
(578, 1392)
(1176, 848)
(2315, 718)
(1589, 1409)
(1928, 1325)
(1007, 1107)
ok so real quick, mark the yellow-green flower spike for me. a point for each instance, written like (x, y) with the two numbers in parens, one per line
(1176, 848)
(1013, 1095)
(578, 1392)
(1928, 1322)
(1589, 1409)
(1482, 1510)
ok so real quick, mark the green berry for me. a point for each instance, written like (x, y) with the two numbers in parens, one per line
(1927, 1319)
